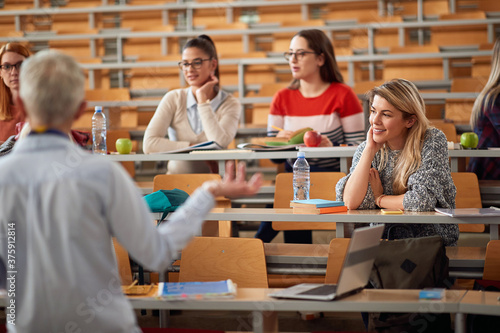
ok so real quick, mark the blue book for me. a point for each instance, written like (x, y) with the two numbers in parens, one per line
(196, 290)
(315, 203)
(431, 293)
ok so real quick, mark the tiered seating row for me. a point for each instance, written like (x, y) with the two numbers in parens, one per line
(147, 60)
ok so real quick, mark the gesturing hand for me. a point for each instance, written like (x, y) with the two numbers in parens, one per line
(233, 186)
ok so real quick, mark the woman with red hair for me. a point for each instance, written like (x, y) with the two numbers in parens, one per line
(12, 56)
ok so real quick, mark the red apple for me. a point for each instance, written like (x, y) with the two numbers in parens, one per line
(312, 138)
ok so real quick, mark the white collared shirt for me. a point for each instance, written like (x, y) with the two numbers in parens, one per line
(63, 206)
(193, 114)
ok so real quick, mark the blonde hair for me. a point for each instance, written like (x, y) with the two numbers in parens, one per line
(492, 88)
(404, 96)
(5, 94)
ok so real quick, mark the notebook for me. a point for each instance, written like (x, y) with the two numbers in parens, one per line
(354, 274)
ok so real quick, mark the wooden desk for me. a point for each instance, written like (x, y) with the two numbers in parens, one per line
(481, 302)
(344, 153)
(265, 308)
(476, 302)
(352, 216)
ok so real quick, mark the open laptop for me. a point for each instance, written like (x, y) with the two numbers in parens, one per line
(355, 271)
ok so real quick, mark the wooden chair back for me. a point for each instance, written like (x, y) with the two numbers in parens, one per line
(336, 256)
(467, 84)
(123, 261)
(213, 258)
(186, 182)
(189, 183)
(468, 196)
(322, 187)
(448, 129)
(492, 261)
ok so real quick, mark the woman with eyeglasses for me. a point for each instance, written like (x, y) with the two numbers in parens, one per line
(317, 98)
(195, 114)
(12, 56)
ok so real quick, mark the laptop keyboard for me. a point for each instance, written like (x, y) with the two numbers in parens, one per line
(326, 289)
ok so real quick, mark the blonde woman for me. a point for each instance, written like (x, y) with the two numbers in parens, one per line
(485, 121)
(403, 164)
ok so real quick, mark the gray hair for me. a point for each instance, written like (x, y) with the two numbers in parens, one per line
(52, 87)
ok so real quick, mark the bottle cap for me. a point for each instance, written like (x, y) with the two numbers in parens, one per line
(301, 154)
(98, 109)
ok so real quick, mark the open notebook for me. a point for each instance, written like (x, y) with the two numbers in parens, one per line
(354, 274)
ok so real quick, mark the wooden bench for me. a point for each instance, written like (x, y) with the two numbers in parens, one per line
(430, 7)
(459, 110)
(290, 264)
(458, 35)
(116, 117)
(292, 259)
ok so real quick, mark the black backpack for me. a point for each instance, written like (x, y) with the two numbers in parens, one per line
(412, 263)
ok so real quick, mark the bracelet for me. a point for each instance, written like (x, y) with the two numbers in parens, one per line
(377, 201)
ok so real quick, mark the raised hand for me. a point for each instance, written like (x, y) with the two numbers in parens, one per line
(233, 186)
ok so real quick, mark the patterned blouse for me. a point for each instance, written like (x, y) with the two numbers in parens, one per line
(429, 187)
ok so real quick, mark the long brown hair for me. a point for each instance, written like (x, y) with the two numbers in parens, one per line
(207, 45)
(320, 44)
(5, 94)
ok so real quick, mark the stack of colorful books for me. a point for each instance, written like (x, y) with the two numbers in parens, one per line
(317, 206)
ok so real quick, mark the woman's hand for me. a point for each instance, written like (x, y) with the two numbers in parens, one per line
(285, 134)
(375, 183)
(204, 92)
(325, 142)
(371, 145)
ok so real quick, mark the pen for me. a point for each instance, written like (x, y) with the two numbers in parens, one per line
(277, 128)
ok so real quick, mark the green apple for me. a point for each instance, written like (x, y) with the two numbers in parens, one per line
(123, 145)
(469, 140)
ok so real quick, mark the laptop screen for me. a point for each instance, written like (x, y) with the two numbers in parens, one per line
(359, 260)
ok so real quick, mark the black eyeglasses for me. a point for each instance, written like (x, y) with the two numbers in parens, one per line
(196, 63)
(8, 67)
(298, 55)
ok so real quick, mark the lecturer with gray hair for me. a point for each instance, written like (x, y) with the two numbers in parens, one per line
(61, 206)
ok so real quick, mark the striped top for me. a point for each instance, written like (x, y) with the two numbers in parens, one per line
(336, 113)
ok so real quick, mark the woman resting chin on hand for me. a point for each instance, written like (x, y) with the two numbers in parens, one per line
(402, 164)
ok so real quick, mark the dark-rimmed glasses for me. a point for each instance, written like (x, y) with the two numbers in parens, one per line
(8, 67)
(196, 63)
(298, 55)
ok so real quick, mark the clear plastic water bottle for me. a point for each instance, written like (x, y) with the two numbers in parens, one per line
(99, 132)
(301, 181)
